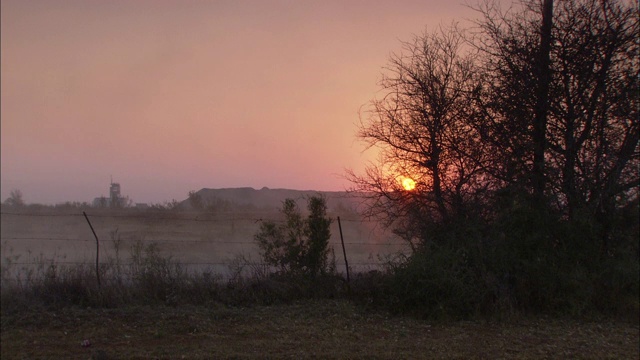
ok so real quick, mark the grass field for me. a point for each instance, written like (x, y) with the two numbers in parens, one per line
(195, 240)
(326, 329)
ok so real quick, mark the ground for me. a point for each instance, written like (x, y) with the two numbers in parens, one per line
(323, 329)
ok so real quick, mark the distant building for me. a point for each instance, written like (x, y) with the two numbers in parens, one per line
(114, 193)
(115, 199)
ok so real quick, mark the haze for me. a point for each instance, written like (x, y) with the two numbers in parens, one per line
(172, 96)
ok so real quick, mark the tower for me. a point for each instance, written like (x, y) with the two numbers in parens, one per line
(114, 194)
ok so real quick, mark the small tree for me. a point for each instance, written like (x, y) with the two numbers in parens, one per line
(319, 233)
(15, 198)
(298, 245)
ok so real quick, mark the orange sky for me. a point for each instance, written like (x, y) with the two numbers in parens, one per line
(171, 96)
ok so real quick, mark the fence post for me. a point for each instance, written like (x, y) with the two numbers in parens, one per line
(344, 252)
(97, 248)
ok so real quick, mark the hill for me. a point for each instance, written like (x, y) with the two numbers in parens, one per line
(271, 199)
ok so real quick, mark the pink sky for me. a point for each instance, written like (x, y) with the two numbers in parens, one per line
(172, 96)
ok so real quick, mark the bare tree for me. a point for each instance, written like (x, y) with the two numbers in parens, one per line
(576, 137)
(594, 121)
(420, 126)
(15, 199)
(542, 99)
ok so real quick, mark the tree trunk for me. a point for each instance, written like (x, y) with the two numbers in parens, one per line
(542, 101)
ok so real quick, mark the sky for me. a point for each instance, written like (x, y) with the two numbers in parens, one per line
(168, 96)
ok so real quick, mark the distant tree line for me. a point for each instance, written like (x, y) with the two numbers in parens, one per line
(16, 201)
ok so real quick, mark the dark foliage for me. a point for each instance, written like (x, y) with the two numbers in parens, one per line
(524, 144)
(298, 245)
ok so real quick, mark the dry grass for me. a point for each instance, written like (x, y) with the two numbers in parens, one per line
(313, 329)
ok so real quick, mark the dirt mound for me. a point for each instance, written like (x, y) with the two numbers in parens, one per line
(265, 198)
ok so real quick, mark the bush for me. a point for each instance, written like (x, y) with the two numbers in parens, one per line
(521, 260)
(298, 246)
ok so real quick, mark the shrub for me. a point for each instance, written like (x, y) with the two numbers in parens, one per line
(521, 259)
(298, 245)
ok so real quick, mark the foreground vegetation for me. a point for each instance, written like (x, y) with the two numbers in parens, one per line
(150, 307)
(306, 329)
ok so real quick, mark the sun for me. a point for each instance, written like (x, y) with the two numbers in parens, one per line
(408, 184)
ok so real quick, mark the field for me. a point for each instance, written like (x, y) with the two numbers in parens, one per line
(198, 241)
(323, 329)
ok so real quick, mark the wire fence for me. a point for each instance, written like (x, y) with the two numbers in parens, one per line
(196, 241)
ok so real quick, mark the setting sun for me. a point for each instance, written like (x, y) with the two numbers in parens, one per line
(408, 184)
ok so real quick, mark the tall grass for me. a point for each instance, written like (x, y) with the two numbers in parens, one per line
(139, 275)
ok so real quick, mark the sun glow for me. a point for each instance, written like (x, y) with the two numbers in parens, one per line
(408, 184)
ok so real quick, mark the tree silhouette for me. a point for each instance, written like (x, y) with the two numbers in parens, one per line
(421, 127)
(15, 199)
(540, 100)
(297, 246)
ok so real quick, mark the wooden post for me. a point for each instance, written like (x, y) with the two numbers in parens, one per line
(344, 252)
(97, 248)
